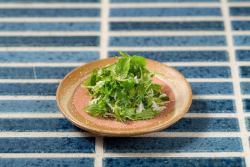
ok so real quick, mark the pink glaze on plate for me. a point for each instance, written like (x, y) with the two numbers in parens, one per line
(81, 99)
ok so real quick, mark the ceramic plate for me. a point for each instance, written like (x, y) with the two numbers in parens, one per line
(72, 99)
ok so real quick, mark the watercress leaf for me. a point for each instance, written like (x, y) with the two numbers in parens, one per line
(146, 114)
(91, 81)
(156, 87)
(138, 61)
(97, 109)
(122, 67)
(124, 54)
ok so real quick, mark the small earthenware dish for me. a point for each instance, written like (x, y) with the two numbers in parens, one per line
(72, 98)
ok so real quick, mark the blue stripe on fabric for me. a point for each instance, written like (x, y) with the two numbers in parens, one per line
(52, 72)
(43, 56)
(130, 41)
(245, 87)
(213, 106)
(174, 162)
(142, 1)
(28, 88)
(159, 12)
(28, 72)
(248, 123)
(243, 55)
(50, 41)
(206, 72)
(240, 11)
(246, 105)
(245, 71)
(241, 25)
(73, 12)
(242, 40)
(37, 125)
(26, 106)
(181, 56)
(60, 72)
(47, 145)
(48, 162)
(34, 72)
(193, 26)
(53, 1)
(16, 73)
(172, 144)
(205, 125)
(48, 26)
(208, 88)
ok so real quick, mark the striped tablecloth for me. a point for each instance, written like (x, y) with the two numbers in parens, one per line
(207, 40)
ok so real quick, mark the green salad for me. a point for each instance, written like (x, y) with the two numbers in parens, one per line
(124, 91)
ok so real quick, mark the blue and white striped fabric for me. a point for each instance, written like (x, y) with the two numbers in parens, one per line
(207, 40)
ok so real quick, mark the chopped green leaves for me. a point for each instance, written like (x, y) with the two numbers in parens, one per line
(124, 91)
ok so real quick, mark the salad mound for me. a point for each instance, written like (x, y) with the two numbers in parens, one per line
(124, 91)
